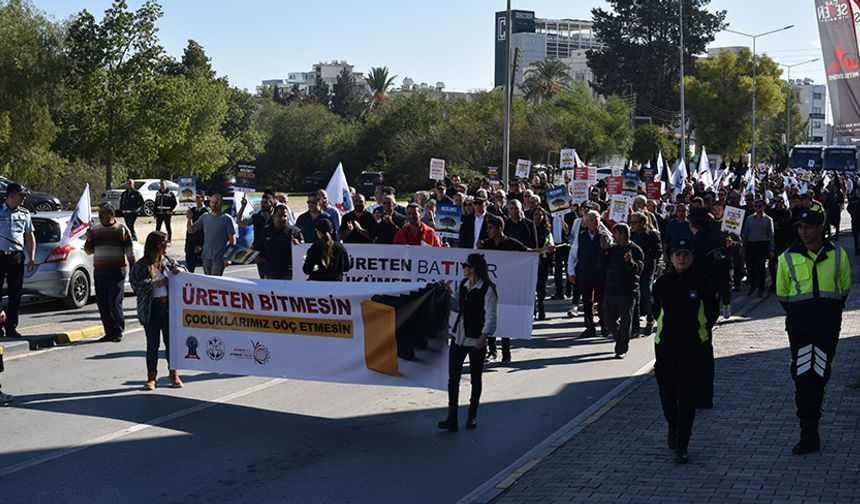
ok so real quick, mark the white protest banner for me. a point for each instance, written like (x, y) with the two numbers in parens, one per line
(592, 175)
(515, 275)
(437, 169)
(618, 205)
(579, 191)
(375, 334)
(523, 168)
(187, 191)
(338, 191)
(567, 159)
(733, 220)
(79, 221)
(617, 170)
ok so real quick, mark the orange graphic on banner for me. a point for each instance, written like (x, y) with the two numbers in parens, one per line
(380, 338)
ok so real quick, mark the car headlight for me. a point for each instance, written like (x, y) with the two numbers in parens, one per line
(56, 201)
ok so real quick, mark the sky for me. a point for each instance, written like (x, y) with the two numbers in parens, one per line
(440, 40)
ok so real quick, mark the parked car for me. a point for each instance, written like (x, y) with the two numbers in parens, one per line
(36, 201)
(316, 180)
(366, 182)
(62, 272)
(147, 188)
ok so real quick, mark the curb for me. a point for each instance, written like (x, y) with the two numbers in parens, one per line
(92, 332)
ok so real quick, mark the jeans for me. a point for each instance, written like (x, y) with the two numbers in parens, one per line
(156, 326)
(618, 309)
(12, 270)
(165, 218)
(456, 358)
(129, 223)
(213, 267)
(109, 294)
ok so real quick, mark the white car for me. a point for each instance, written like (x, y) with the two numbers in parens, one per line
(147, 188)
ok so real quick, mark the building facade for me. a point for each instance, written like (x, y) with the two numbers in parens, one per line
(812, 99)
(540, 39)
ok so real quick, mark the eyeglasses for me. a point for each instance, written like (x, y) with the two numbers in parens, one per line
(312, 202)
(466, 265)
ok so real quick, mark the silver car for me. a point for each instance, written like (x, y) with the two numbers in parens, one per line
(61, 272)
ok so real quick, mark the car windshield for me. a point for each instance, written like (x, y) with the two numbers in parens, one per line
(368, 176)
(46, 231)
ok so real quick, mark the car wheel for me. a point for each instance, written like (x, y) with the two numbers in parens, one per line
(43, 206)
(79, 290)
(149, 208)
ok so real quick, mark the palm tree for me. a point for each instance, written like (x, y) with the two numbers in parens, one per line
(379, 83)
(544, 78)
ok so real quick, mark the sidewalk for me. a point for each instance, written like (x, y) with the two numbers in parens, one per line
(740, 450)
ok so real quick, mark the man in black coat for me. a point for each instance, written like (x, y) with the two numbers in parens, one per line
(473, 227)
(130, 205)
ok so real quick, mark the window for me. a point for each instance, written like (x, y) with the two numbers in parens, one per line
(816, 124)
(154, 186)
(816, 110)
(816, 96)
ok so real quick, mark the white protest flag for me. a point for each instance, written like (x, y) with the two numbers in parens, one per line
(659, 166)
(79, 222)
(804, 188)
(577, 163)
(785, 199)
(704, 169)
(338, 191)
(825, 180)
(679, 178)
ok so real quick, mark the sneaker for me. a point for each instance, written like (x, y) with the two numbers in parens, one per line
(6, 398)
(491, 356)
(680, 456)
(620, 356)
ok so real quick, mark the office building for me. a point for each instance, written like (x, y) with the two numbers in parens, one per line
(812, 99)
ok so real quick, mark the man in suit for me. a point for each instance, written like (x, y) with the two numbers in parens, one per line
(474, 227)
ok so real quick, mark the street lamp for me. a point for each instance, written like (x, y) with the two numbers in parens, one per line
(754, 37)
(788, 107)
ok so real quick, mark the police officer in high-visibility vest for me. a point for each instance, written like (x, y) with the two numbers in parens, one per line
(812, 282)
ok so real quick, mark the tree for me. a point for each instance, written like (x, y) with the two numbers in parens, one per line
(347, 98)
(544, 78)
(111, 63)
(379, 83)
(719, 96)
(322, 92)
(640, 47)
(195, 63)
(648, 140)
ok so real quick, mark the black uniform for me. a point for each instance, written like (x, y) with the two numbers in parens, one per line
(277, 250)
(165, 202)
(711, 262)
(259, 222)
(130, 205)
(680, 345)
(194, 240)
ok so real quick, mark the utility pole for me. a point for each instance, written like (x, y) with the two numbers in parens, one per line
(506, 158)
(683, 153)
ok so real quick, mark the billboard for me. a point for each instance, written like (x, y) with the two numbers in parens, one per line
(839, 52)
(523, 22)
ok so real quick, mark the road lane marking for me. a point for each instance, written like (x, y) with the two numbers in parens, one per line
(53, 349)
(135, 428)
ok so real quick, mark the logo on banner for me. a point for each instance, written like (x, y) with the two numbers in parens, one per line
(345, 204)
(833, 10)
(191, 343)
(215, 348)
(845, 62)
(261, 353)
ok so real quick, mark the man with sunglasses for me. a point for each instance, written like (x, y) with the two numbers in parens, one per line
(389, 220)
(308, 220)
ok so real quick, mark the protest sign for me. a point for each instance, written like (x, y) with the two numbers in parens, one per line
(437, 169)
(631, 182)
(616, 170)
(448, 218)
(614, 185)
(374, 334)
(523, 168)
(733, 220)
(558, 199)
(592, 175)
(567, 159)
(581, 173)
(246, 179)
(515, 275)
(187, 191)
(579, 191)
(493, 177)
(653, 190)
(618, 204)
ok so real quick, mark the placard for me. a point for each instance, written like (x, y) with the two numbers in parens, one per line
(618, 206)
(558, 199)
(617, 170)
(187, 191)
(493, 177)
(246, 179)
(448, 219)
(631, 182)
(581, 173)
(592, 175)
(437, 169)
(614, 185)
(567, 159)
(523, 168)
(653, 190)
(579, 191)
(733, 220)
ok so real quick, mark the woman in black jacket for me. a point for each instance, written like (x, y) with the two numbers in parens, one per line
(327, 260)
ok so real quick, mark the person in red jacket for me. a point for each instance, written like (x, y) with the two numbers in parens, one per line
(416, 232)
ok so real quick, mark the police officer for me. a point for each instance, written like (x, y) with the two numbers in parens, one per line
(130, 204)
(812, 282)
(165, 202)
(682, 341)
(16, 233)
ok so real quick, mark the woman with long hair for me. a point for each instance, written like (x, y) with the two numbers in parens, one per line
(543, 226)
(148, 278)
(326, 260)
(475, 301)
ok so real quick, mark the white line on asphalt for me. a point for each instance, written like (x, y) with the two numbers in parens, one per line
(27, 464)
(54, 349)
(501, 480)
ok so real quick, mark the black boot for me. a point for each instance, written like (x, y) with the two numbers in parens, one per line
(809, 442)
(681, 455)
(541, 311)
(672, 438)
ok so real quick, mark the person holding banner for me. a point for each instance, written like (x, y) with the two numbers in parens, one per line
(110, 244)
(148, 278)
(130, 205)
(475, 302)
(165, 202)
(16, 233)
(326, 260)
